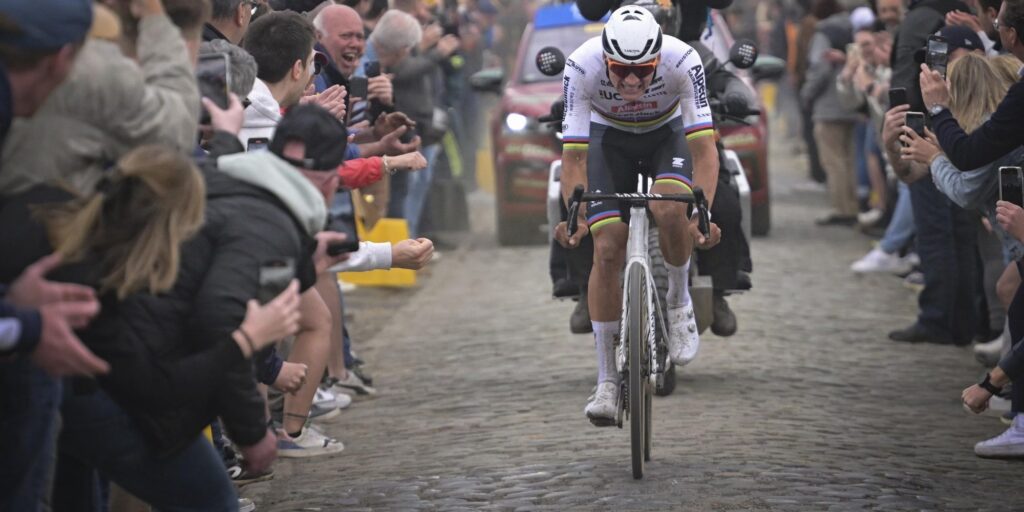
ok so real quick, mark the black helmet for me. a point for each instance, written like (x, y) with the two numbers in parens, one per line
(665, 12)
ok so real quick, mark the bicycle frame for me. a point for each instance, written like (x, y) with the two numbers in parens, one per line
(637, 253)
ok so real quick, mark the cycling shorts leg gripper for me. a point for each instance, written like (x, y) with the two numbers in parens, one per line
(679, 180)
(603, 219)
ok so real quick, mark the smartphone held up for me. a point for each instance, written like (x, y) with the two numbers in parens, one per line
(1011, 185)
(213, 77)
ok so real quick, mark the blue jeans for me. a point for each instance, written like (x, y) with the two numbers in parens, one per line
(28, 410)
(99, 435)
(901, 227)
(860, 158)
(947, 244)
(418, 189)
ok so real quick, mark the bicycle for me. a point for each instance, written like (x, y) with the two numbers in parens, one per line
(642, 352)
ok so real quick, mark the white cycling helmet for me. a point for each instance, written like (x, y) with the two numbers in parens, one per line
(632, 35)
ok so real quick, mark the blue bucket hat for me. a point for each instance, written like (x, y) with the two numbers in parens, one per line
(44, 24)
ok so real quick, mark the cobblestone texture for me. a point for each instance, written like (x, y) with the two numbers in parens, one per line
(809, 407)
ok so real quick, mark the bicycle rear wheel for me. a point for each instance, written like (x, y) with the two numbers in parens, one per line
(639, 384)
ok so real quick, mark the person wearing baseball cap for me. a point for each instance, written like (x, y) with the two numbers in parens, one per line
(961, 41)
(38, 43)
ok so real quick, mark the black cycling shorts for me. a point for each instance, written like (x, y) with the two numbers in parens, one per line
(616, 159)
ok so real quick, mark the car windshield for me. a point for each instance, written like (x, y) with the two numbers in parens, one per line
(566, 38)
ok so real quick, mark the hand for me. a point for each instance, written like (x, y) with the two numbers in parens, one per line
(258, 457)
(275, 320)
(229, 120)
(863, 78)
(918, 149)
(393, 145)
(976, 398)
(986, 224)
(892, 127)
(562, 234)
(431, 35)
(408, 162)
(412, 254)
(704, 242)
(380, 88)
(390, 122)
(60, 352)
(933, 88)
(332, 100)
(835, 56)
(1011, 218)
(291, 378)
(323, 261)
(447, 45)
(963, 19)
(849, 67)
(32, 290)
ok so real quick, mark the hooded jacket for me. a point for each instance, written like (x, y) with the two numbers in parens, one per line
(261, 116)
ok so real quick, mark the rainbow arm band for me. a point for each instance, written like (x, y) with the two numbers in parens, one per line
(581, 143)
(699, 130)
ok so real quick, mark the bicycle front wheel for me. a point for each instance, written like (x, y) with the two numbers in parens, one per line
(639, 383)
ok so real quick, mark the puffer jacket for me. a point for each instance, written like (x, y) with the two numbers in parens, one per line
(174, 365)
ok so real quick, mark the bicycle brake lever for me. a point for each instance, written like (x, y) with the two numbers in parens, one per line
(701, 202)
(574, 209)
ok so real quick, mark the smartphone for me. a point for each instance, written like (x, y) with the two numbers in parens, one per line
(357, 87)
(343, 220)
(1011, 185)
(897, 97)
(274, 277)
(257, 143)
(937, 54)
(214, 79)
(915, 121)
(372, 68)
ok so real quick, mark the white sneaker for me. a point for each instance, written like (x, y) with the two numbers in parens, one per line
(246, 505)
(683, 339)
(880, 261)
(352, 386)
(310, 443)
(325, 398)
(870, 217)
(1009, 444)
(989, 353)
(604, 404)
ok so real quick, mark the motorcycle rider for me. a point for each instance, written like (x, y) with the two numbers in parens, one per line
(638, 99)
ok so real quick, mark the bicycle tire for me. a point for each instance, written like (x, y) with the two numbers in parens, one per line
(659, 273)
(638, 382)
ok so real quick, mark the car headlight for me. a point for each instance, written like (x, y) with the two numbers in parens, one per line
(516, 122)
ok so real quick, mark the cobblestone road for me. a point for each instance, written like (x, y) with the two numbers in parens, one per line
(808, 407)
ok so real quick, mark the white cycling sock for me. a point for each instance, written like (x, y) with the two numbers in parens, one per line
(604, 342)
(678, 289)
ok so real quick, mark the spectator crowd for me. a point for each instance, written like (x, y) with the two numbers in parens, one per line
(180, 183)
(908, 144)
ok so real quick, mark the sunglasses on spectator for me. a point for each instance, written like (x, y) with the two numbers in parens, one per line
(641, 71)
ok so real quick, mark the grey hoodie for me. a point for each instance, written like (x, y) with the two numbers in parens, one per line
(265, 170)
(819, 90)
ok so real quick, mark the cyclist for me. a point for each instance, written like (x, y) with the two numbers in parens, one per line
(635, 100)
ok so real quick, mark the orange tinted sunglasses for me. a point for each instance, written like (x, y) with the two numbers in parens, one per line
(640, 70)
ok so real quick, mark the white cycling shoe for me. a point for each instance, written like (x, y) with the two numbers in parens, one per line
(683, 339)
(604, 405)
